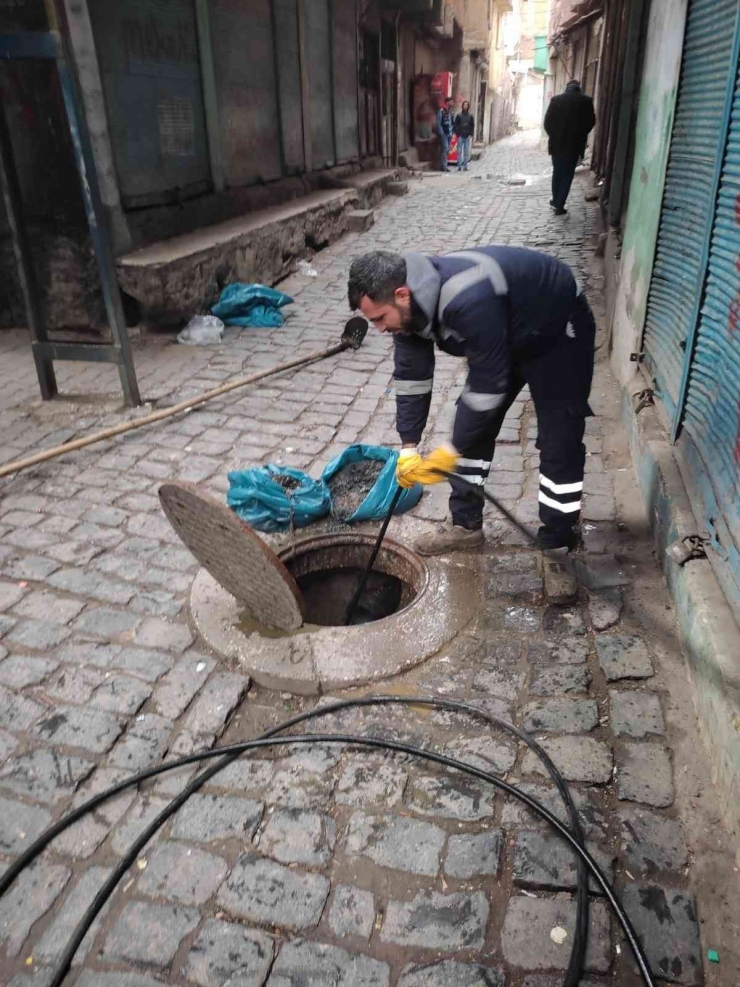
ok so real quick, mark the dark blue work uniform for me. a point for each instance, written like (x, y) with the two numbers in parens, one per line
(519, 318)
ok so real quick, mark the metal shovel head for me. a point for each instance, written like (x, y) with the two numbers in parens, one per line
(354, 332)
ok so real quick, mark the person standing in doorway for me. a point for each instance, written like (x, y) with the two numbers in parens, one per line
(464, 128)
(569, 120)
(445, 127)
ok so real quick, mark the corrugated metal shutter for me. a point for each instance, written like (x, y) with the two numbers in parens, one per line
(148, 54)
(688, 203)
(710, 443)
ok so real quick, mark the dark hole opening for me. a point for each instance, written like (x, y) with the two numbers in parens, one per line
(327, 594)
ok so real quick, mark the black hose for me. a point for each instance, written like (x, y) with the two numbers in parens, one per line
(578, 949)
(110, 884)
(234, 751)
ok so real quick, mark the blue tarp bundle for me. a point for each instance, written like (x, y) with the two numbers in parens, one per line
(253, 305)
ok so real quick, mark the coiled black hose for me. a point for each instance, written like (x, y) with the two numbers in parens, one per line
(229, 754)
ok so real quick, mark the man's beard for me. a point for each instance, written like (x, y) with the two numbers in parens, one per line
(413, 321)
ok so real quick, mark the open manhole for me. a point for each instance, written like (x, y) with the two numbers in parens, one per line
(281, 616)
(327, 570)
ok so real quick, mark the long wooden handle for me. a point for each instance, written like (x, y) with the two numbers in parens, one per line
(158, 416)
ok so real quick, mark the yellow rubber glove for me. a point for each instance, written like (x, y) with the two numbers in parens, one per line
(413, 469)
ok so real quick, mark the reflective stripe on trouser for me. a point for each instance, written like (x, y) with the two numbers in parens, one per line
(559, 376)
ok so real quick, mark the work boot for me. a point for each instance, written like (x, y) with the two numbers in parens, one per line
(454, 539)
(561, 585)
(549, 539)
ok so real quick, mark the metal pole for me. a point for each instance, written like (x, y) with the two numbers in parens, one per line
(26, 273)
(93, 205)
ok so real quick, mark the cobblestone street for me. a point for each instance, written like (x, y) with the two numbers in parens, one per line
(312, 865)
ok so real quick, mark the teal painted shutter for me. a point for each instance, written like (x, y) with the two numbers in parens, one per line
(710, 443)
(688, 203)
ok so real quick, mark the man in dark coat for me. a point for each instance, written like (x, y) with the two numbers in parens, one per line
(569, 120)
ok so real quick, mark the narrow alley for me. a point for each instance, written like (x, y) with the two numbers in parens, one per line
(334, 865)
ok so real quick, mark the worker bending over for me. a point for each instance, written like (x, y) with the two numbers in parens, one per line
(519, 318)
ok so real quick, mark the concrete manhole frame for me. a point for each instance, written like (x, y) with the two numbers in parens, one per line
(310, 663)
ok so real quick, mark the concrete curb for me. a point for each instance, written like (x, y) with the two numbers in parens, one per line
(709, 634)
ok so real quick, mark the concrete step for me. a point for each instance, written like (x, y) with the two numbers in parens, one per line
(371, 186)
(175, 278)
(359, 220)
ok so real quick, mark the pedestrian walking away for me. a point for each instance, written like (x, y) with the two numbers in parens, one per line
(445, 125)
(464, 128)
(519, 318)
(569, 120)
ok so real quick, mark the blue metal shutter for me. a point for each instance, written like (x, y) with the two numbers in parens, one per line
(688, 202)
(710, 443)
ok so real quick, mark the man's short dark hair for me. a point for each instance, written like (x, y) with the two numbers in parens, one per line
(449, 100)
(376, 275)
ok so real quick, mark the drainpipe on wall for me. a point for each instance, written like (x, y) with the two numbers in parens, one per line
(210, 98)
(305, 86)
(396, 84)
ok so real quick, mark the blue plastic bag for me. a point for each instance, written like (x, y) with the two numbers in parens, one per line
(378, 501)
(257, 499)
(251, 305)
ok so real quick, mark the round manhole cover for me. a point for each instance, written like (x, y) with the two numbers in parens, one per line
(235, 556)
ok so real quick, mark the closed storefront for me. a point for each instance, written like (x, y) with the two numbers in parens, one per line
(692, 331)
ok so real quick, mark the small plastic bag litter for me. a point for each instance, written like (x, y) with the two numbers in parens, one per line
(307, 270)
(271, 498)
(251, 305)
(202, 330)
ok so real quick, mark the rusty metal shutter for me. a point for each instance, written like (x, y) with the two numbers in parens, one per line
(710, 442)
(697, 143)
(149, 62)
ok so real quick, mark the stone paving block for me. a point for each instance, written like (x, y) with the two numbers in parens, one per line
(446, 973)
(20, 825)
(227, 953)
(437, 921)
(33, 568)
(484, 752)
(623, 656)
(67, 917)
(10, 594)
(8, 744)
(569, 650)
(121, 694)
(85, 583)
(262, 891)
(157, 633)
(552, 680)
(543, 860)
(17, 712)
(75, 726)
(526, 941)
(18, 671)
(39, 635)
(397, 842)
(450, 797)
(149, 934)
(352, 912)
(217, 700)
(175, 692)
(598, 507)
(44, 775)
(180, 873)
(103, 624)
(143, 811)
(311, 964)
(500, 679)
(563, 622)
(46, 606)
(30, 897)
(205, 818)
(473, 854)
(516, 585)
(311, 757)
(651, 842)
(665, 921)
(577, 758)
(644, 774)
(605, 608)
(636, 714)
(594, 820)
(142, 662)
(296, 836)
(523, 620)
(560, 715)
(73, 685)
(253, 776)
